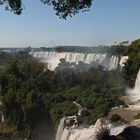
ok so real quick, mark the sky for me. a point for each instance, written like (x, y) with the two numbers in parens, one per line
(108, 21)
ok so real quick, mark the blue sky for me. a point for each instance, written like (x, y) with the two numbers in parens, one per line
(106, 22)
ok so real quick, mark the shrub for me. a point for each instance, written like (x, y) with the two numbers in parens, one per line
(115, 118)
(137, 116)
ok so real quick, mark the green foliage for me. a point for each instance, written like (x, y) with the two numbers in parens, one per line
(60, 109)
(117, 49)
(137, 116)
(63, 8)
(132, 66)
(115, 118)
(6, 55)
(20, 96)
(28, 92)
(8, 131)
(113, 50)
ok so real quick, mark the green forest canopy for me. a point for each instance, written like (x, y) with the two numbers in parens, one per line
(27, 92)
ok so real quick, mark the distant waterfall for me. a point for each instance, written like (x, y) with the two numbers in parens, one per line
(52, 58)
(113, 63)
(134, 94)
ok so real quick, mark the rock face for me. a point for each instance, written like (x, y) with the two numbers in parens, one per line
(53, 58)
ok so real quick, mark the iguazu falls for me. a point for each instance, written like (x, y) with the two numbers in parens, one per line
(69, 93)
(53, 59)
(69, 70)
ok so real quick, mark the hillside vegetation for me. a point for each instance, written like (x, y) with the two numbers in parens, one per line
(132, 66)
(29, 92)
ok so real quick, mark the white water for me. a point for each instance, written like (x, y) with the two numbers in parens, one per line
(2, 118)
(53, 58)
(134, 94)
(80, 133)
(72, 133)
(60, 129)
(79, 107)
(123, 60)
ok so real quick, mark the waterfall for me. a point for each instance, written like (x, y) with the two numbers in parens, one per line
(113, 63)
(134, 94)
(52, 58)
(89, 133)
(137, 84)
(71, 133)
(82, 133)
(79, 107)
(123, 60)
(75, 132)
(2, 118)
(60, 129)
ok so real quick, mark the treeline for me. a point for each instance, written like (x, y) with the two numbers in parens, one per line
(13, 54)
(113, 50)
(27, 92)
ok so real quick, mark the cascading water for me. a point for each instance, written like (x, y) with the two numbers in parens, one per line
(82, 133)
(134, 94)
(79, 107)
(53, 58)
(113, 63)
(137, 85)
(76, 132)
(60, 129)
(123, 60)
(70, 133)
(62, 134)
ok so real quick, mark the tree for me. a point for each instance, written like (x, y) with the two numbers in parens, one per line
(63, 8)
(132, 65)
